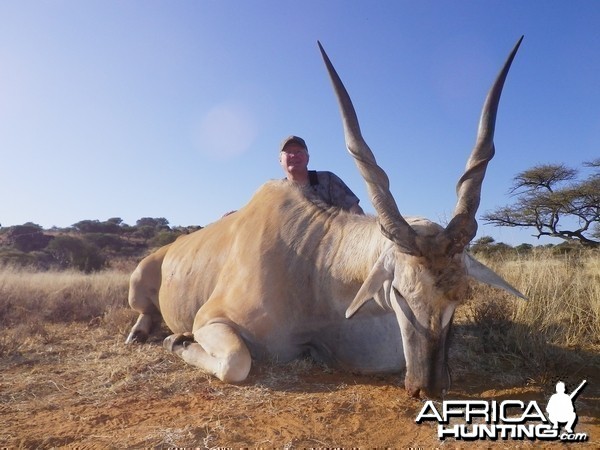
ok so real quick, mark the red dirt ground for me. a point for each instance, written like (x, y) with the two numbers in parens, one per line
(77, 386)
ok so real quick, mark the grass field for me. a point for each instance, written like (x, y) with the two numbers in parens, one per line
(67, 379)
(560, 322)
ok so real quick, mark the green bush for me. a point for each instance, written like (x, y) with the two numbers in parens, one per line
(28, 237)
(73, 252)
(105, 241)
(163, 238)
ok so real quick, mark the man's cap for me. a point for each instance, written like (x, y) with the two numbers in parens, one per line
(293, 140)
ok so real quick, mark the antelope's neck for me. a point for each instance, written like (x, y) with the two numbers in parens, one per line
(351, 247)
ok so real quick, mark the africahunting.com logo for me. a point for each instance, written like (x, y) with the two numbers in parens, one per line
(506, 419)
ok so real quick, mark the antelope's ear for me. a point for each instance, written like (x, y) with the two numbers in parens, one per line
(381, 272)
(484, 274)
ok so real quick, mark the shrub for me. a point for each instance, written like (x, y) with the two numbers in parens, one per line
(163, 238)
(95, 226)
(105, 241)
(524, 248)
(73, 252)
(28, 237)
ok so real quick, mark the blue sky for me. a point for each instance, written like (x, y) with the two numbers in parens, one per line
(176, 109)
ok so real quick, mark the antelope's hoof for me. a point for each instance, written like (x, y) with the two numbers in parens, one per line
(136, 337)
(174, 341)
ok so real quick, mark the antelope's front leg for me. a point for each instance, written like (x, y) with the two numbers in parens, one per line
(215, 348)
(177, 342)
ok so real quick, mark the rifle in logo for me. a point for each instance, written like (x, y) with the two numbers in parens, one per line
(560, 407)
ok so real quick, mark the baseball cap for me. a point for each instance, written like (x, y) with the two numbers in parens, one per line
(293, 140)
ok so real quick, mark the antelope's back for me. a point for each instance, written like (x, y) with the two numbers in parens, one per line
(237, 260)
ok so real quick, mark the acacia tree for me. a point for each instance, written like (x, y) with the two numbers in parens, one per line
(556, 201)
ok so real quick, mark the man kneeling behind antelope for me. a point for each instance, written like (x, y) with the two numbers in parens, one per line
(280, 277)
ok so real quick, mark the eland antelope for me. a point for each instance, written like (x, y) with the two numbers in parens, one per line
(282, 275)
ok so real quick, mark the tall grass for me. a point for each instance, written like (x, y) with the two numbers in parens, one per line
(59, 296)
(563, 293)
(557, 328)
(31, 302)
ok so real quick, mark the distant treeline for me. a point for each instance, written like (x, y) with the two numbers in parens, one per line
(487, 246)
(88, 245)
(91, 245)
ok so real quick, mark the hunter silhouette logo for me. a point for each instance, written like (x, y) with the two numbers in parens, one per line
(506, 419)
(560, 407)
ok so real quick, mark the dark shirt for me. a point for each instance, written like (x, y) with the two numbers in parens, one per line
(331, 189)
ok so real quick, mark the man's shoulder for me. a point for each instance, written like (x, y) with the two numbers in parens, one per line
(329, 176)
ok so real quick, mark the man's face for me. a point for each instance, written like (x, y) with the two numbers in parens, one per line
(294, 158)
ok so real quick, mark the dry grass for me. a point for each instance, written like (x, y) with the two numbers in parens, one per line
(558, 327)
(67, 296)
(30, 300)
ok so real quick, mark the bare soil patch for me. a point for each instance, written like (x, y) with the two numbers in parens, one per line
(77, 385)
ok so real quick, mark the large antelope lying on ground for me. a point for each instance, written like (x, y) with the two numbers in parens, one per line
(283, 275)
